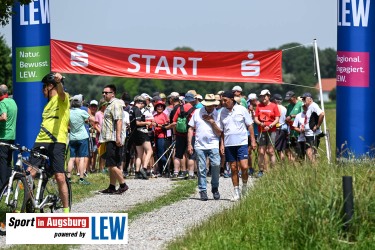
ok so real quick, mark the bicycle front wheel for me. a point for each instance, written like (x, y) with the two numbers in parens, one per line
(50, 189)
(18, 196)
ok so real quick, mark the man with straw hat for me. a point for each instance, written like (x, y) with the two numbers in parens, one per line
(206, 123)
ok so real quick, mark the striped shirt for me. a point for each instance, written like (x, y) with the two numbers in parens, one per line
(112, 114)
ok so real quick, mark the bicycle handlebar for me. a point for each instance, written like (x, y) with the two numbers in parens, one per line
(24, 149)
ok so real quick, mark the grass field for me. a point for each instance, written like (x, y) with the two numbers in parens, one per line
(295, 207)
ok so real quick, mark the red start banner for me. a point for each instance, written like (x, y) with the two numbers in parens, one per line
(79, 58)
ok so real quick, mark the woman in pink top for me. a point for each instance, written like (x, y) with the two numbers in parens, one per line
(99, 116)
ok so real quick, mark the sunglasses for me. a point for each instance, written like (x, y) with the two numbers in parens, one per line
(106, 93)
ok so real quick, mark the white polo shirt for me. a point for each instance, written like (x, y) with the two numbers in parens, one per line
(234, 125)
(205, 138)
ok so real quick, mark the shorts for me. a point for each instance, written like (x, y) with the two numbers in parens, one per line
(181, 147)
(281, 140)
(113, 154)
(79, 148)
(56, 154)
(139, 138)
(267, 139)
(236, 153)
(101, 149)
(312, 141)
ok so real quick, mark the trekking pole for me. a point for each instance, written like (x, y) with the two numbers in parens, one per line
(164, 153)
(169, 157)
(273, 145)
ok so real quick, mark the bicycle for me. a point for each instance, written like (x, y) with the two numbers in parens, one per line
(21, 196)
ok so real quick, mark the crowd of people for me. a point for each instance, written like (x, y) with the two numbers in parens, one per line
(178, 136)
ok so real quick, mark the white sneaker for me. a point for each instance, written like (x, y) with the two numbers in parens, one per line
(236, 195)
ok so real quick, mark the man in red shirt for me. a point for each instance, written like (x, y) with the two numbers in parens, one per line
(266, 117)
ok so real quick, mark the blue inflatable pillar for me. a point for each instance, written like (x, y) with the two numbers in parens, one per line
(31, 61)
(355, 77)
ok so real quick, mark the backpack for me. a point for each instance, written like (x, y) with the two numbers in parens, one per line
(182, 120)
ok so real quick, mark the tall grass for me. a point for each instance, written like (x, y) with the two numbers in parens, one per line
(294, 208)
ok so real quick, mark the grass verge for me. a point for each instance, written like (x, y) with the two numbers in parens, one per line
(180, 191)
(294, 208)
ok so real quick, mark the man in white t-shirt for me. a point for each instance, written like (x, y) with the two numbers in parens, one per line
(206, 123)
(299, 126)
(236, 122)
(314, 118)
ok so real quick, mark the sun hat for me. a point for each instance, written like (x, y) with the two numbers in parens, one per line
(209, 100)
(189, 97)
(158, 103)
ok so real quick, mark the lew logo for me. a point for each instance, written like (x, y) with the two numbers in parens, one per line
(35, 15)
(79, 58)
(250, 67)
(108, 227)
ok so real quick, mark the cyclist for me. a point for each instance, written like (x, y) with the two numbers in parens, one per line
(54, 131)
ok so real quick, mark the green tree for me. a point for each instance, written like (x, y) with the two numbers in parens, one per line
(5, 64)
(6, 9)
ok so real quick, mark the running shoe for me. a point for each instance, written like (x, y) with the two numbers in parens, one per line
(107, 191)
(260, 174)
(143, 173)
(84, 182)
(203, 195)
(121, 190)
(216, 194)
(236, 195)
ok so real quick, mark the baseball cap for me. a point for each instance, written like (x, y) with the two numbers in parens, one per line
(94, 102)
(77, 98)
(146, 96)
(289, 95)
(265, 92)
(237, 88)
(228, 94)
(252, 96)
(199, 97)
(307, 94)
(174, 94)
(277, 97)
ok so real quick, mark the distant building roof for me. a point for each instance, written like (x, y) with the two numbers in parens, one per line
(328, 84)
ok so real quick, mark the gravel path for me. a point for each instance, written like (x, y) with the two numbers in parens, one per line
(153, 230)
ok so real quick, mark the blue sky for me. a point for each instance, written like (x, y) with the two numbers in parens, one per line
(206, 25)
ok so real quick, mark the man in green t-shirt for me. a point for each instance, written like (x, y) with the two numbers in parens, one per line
(8, 118)
(294, 108)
